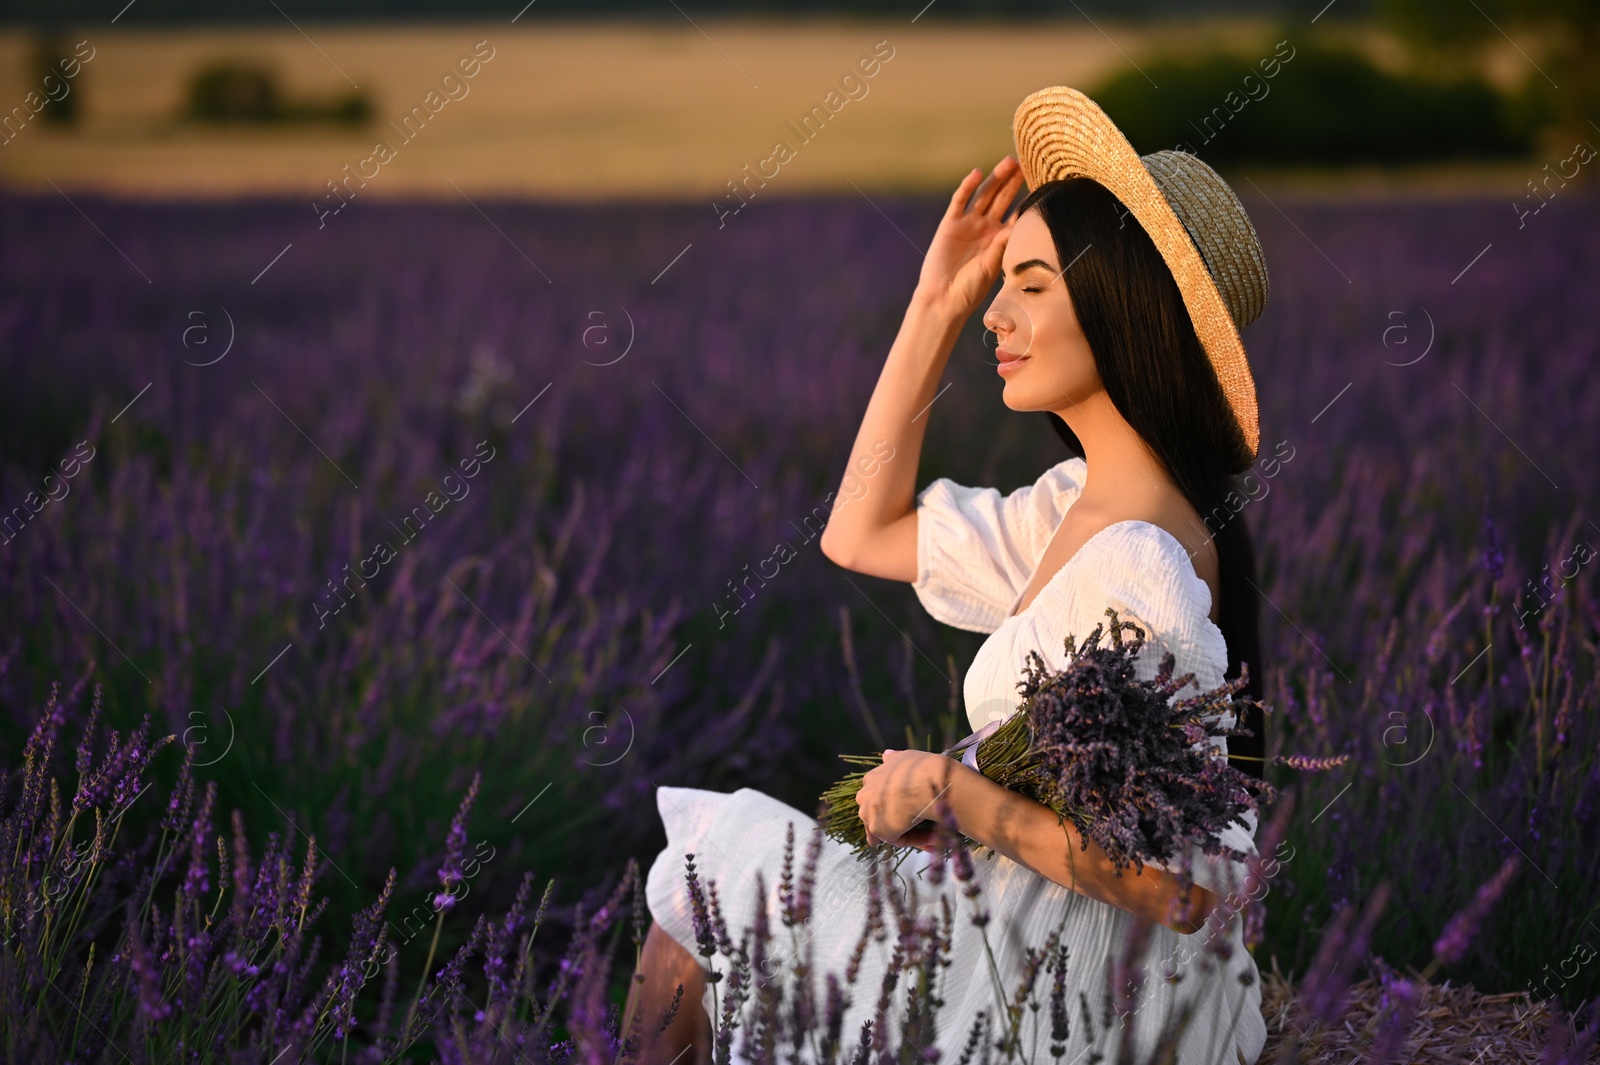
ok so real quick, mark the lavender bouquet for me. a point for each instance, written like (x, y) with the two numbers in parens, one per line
(1108, 752)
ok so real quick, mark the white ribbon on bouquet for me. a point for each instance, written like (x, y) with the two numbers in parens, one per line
(969, 746)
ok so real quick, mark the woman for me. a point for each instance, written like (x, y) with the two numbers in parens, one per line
(1123, 284)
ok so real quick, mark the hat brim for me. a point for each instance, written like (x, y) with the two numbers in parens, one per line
(1060, 133)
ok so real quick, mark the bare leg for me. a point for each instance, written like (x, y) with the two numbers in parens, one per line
(665, 964)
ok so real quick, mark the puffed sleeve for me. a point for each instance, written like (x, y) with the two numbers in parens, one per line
(976, 549)
(1146, 575)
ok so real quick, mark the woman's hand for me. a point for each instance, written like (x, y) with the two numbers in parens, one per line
(964, 258)
(898, 794)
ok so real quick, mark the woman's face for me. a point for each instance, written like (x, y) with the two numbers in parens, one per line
(1043, 355)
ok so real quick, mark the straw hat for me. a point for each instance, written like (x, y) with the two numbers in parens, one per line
(1191, 214)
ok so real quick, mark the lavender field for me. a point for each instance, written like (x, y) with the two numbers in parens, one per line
(434, 540)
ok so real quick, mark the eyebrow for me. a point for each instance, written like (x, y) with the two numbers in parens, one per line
(1027, 264)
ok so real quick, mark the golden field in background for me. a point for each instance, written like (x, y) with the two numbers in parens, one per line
(577, 110)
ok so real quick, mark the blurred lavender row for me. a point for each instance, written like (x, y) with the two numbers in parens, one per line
(566, 629)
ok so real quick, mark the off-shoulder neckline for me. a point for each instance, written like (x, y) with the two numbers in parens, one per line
(1012, 614)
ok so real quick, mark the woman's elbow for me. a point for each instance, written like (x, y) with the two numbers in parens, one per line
(832, 549)
(887, 551)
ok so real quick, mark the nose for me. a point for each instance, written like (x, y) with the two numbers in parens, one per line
(1010, 324)
(996, 320)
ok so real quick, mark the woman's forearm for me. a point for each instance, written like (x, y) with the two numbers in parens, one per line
(879, 483)
(1032, 835)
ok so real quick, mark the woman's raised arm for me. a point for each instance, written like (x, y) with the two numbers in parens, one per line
(872, 527)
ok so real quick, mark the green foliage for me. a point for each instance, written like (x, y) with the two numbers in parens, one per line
(229, 91)
(1312, 104)
(52, 56)
(1563, 70)
(1437, 26)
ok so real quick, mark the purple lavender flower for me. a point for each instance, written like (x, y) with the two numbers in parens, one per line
(1494, 556)
(1322, 993)
(1060, 1019)
(1255, 923)
(808, 875)
(1401, 997)
(734, 995)
(85, 755)
(1563, 1049)
(786, 882)
(719, 927)
(152, 1004)
(703, 934)
(1126, 974)
(1457, 936)
(182, 795)
(762, 933)
(196, 881)
(359, 963)
(1311, 764)
(833, 1016)
(502, 942)
(450, 873)
(1119, 759)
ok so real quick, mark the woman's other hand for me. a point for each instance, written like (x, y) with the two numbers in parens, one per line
(964, 258)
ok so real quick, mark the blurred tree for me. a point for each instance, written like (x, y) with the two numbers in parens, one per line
(1308, 103)
(243, 91)
(231, 91)
(1565, 81)
(52, 57)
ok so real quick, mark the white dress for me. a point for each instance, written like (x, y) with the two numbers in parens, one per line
(976, 551)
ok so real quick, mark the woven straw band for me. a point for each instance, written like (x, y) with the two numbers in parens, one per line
(1190, 213)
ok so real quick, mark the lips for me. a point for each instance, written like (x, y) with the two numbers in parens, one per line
(1009, 361)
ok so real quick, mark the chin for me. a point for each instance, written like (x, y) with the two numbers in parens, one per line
(1022, 400)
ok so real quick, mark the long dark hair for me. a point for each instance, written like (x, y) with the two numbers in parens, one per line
(1158, 375)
